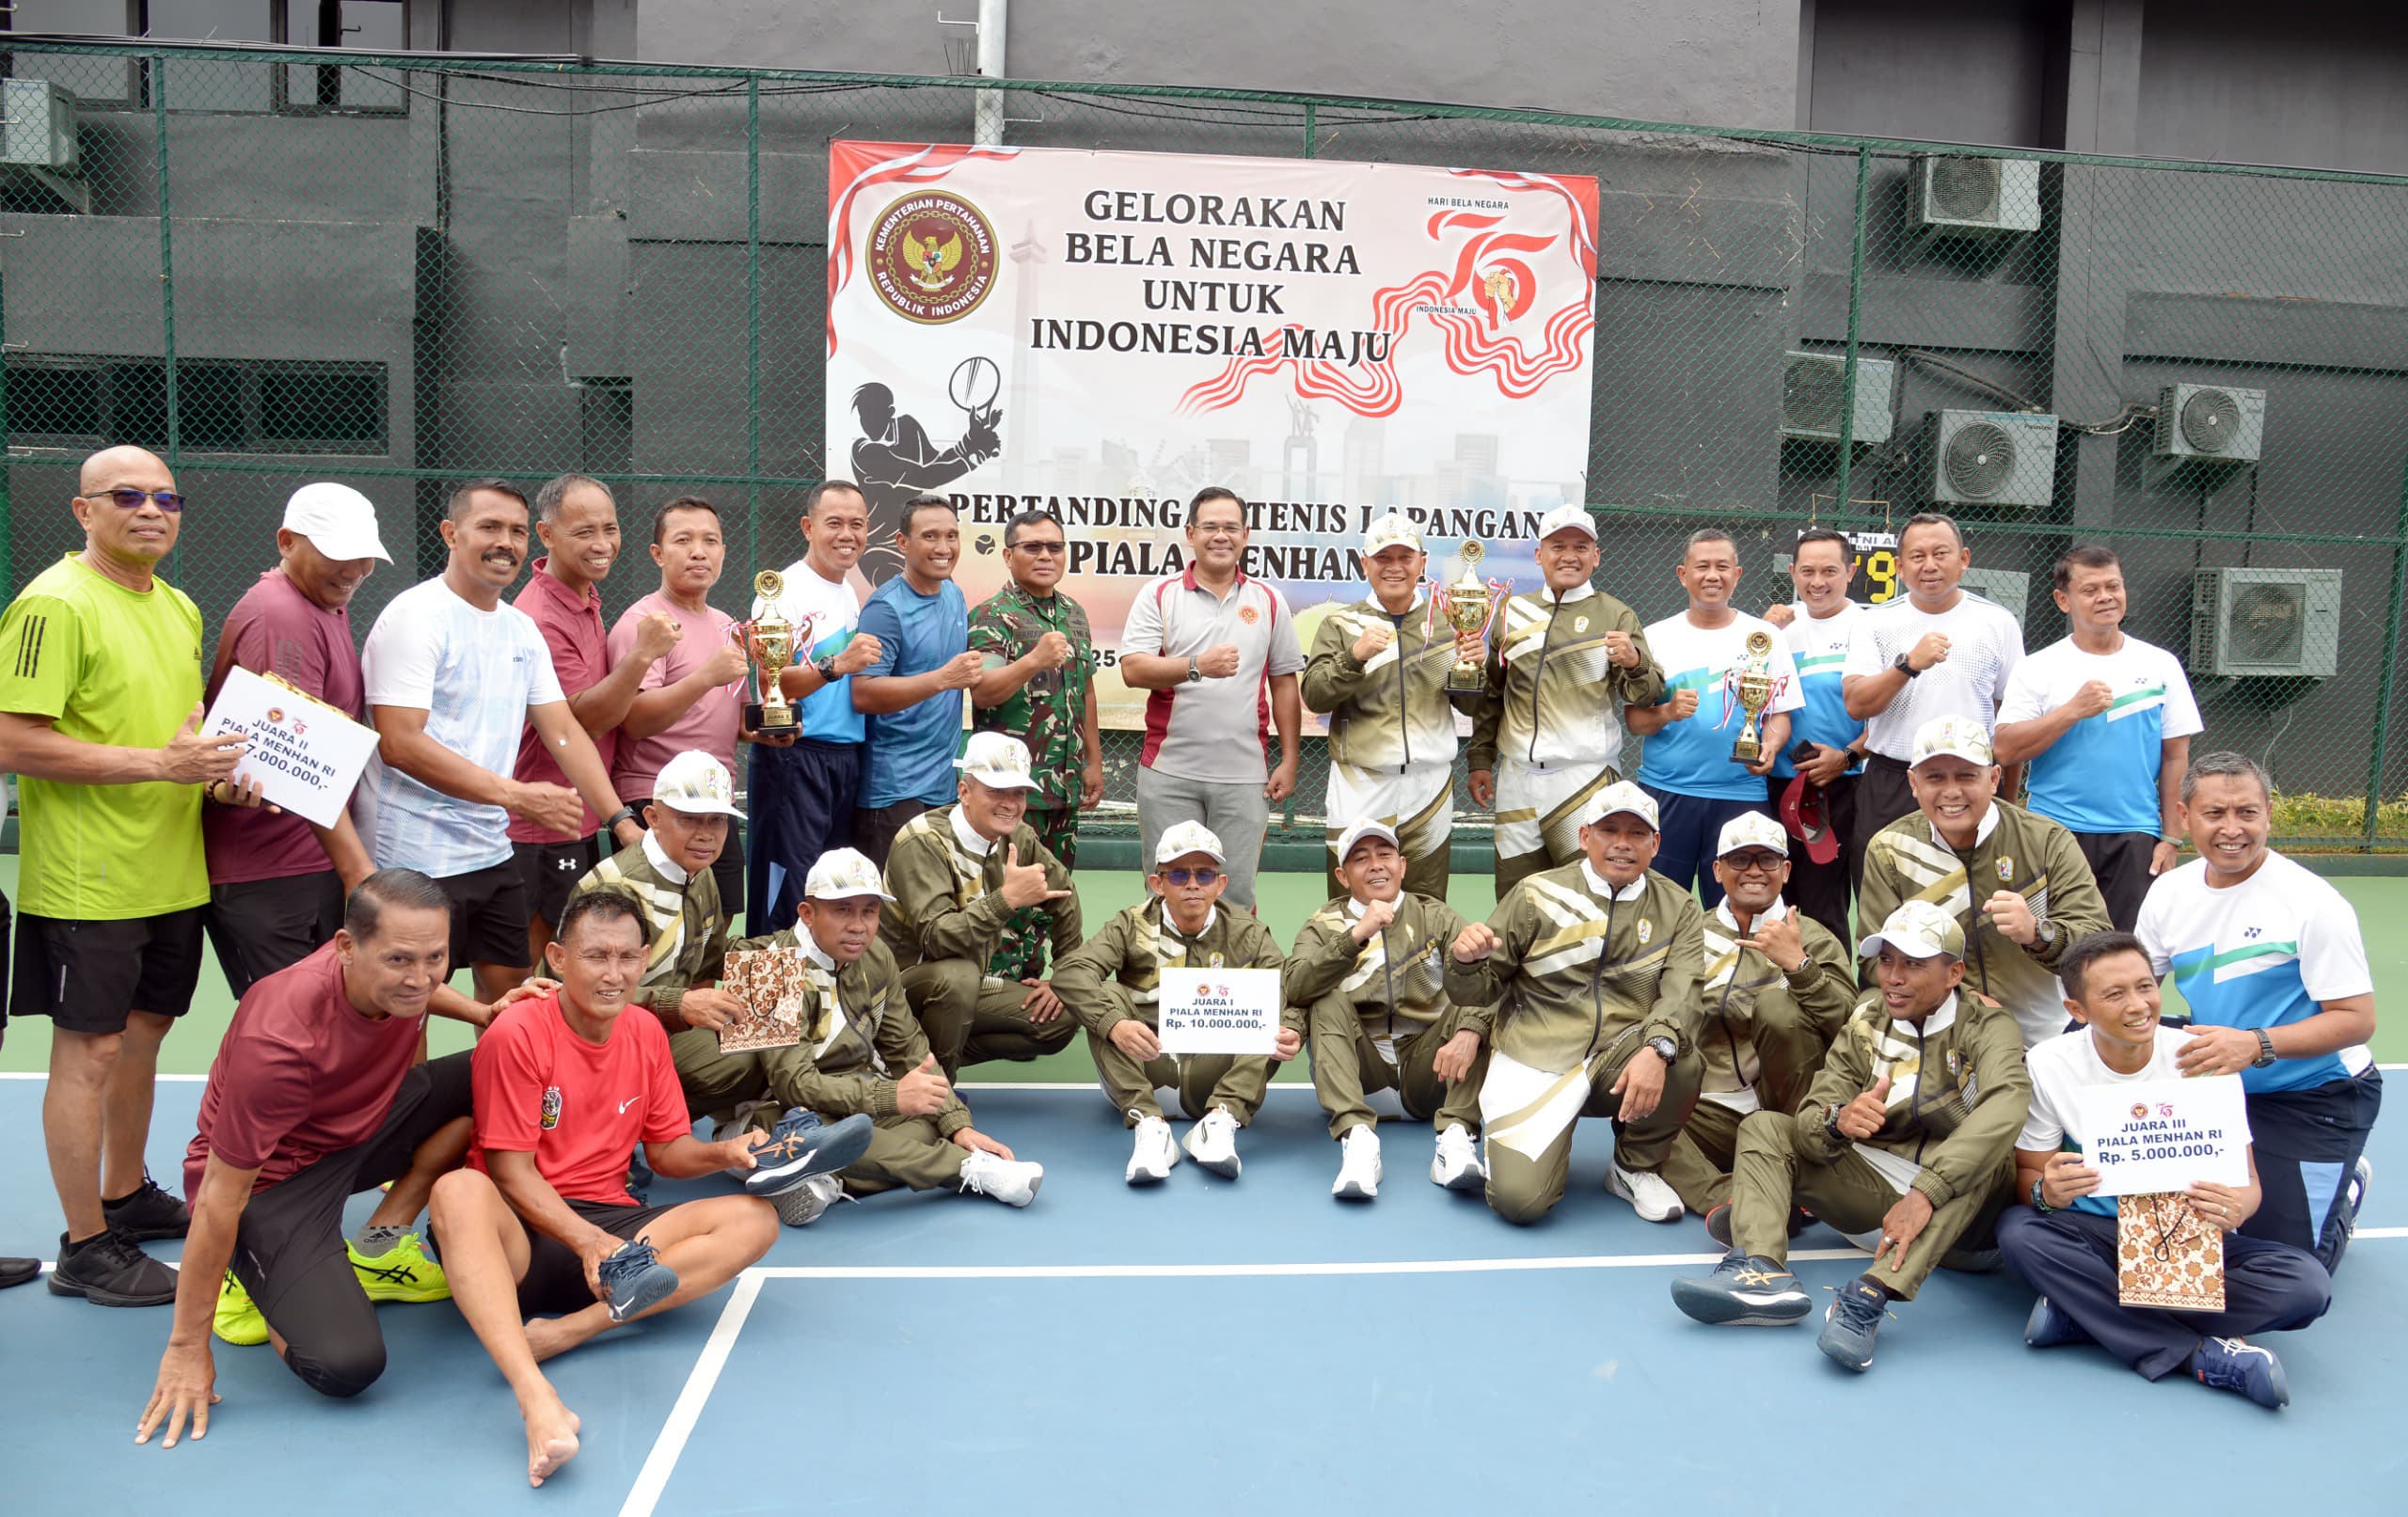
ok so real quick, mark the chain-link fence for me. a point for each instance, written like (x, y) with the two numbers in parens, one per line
(406, 272)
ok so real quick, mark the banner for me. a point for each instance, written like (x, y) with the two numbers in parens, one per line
(1103, 334)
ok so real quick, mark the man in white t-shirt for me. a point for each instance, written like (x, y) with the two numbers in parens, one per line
(2105, 722)
(1825, 758)
(2063, 1239)
(2269, 958)
(1936, 650)
(453, 676)
(1686, 764)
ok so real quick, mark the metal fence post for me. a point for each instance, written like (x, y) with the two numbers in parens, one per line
(752, 313)
(1311, 125)
(1855, 326)
(2390, 664)
(167, 253)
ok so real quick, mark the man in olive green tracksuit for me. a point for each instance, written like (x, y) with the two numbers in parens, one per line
(668, 874)
(1906, 1144)
(957, 874)
(1777, 987)
(1369, 971)
(1379, 669)
(2015, 881)
(1112, 984)
(1589, 973)
(1547, 736)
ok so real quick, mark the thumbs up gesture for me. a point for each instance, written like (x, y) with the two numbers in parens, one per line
(1863, 1118)
(190, 758)
(924, 1090)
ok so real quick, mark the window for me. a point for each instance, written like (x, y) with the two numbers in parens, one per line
(353, 25)
(97, 81)
(56, 401)
(197, 85)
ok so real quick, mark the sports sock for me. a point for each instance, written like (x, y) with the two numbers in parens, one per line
(375, 1242)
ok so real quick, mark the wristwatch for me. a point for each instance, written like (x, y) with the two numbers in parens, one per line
(2044, 933)
(2039, 1201)
(1906, 665)
(1195, 674)
(1665, 1049)
(1831, 1122)
(824, 666)
(2265, 1050)
(625, 813)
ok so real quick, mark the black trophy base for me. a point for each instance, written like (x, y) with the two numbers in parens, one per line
(776, 721)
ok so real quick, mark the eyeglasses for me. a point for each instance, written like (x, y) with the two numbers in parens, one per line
(126, 498)
(1218, 529)
(1048, 548)
(1755, 860)
(1191, 877)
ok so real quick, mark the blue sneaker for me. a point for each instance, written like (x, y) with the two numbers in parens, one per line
(634, 1280)
(2231, 1364)
(1850, 1321)
(802, 1146)
(1743, 1292)
(2050, 1327)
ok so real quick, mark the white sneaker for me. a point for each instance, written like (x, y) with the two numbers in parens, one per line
(1646, 1192)
(801, 1205)
(1012, 1181)
(1358, 1164)
(1213, 1142)
(1153, 1155)
(1456, 1165)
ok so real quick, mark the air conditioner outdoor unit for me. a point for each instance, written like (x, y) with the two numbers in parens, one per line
(40, 127)
(2010, 587)
(2214, 422)
(1992, 458)
(2260, 622)
(1812, 385)
(1976, 197)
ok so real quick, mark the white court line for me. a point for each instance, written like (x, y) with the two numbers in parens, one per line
(1218, 1271)
(654, 1478)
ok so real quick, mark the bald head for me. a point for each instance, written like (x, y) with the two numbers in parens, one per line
(125, 541)
(125, 464)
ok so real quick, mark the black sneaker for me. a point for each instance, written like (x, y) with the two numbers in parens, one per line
(149, 1214)
(1850, 1322)
(107, 1270)
(17, 1272)
(1743, 1292)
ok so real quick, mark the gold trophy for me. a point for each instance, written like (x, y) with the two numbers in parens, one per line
(770, 641)
(1470, 606)
(1753, 686)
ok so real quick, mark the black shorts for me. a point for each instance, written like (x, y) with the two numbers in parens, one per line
(86, 976)
(727, 870)
(258, 926)
(2119, 862)
(488, 916)
(554, 1284)
(289, 1247)
(550, 870)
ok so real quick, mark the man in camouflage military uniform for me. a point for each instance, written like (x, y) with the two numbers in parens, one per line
(1038, 685)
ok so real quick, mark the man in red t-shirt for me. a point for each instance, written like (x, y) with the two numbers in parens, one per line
(313, 1099)
(542, 1220)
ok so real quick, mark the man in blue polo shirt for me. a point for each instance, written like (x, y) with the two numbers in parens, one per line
(912, 694)
(1687, 765)
(2269, 957)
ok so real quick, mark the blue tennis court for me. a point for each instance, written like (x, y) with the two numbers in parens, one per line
(1209, 1344)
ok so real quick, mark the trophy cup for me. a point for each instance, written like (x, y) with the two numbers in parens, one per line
(1752, 684)
(1470, 606)
(770, 641)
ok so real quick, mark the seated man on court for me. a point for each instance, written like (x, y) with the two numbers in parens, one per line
(1593, 969)
(2063, 1240)
(1366, 973)
(1903, 1145)
(1113, 983)
(862, 1059)
(958, 875)
(314, 1099)
(668, 873)
(1777, 987)
(545, 1247)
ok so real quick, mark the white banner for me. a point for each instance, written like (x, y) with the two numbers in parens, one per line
(2164, 1134)
(305, 755)
(1219, 1011)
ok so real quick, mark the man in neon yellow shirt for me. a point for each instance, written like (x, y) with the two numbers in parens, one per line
(99, 717)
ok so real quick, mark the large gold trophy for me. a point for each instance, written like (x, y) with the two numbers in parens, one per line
(1753, 688)
(1470, 606)
(770, 638)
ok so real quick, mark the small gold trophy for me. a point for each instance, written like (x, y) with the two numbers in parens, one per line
(1470, 606)
(770, 638)
(1754, 685)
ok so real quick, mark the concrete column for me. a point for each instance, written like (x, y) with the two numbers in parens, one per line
(2100, 69)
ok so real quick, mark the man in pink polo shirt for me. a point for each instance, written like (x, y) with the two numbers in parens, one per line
(578, 522)
(693, 696)
(277, 882)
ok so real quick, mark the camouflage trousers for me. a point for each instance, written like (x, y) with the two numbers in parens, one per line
(1021, 954)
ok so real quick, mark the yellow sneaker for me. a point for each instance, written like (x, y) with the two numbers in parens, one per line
(238, 1320)
(402, 1273)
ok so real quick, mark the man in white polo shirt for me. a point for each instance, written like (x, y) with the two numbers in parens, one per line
(2105, 722)
(1217, 649)
(1934, 652)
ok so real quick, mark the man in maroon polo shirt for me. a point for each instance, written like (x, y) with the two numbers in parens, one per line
(276, 881)
(578, 522)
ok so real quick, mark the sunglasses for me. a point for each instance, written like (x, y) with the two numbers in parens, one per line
(1191, 877)
(1755, 860)
(1049, 549)
(129, 498)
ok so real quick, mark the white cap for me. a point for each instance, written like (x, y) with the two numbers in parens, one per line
(842, 873)
(338, 520)
(1573, 516)
(1390, 530)
(1918, 929)
(1752, 830)
(1360, 830)
(997, 760)
(1621, 796)
(1186, 838)
(1952, 738)
(696, 784)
